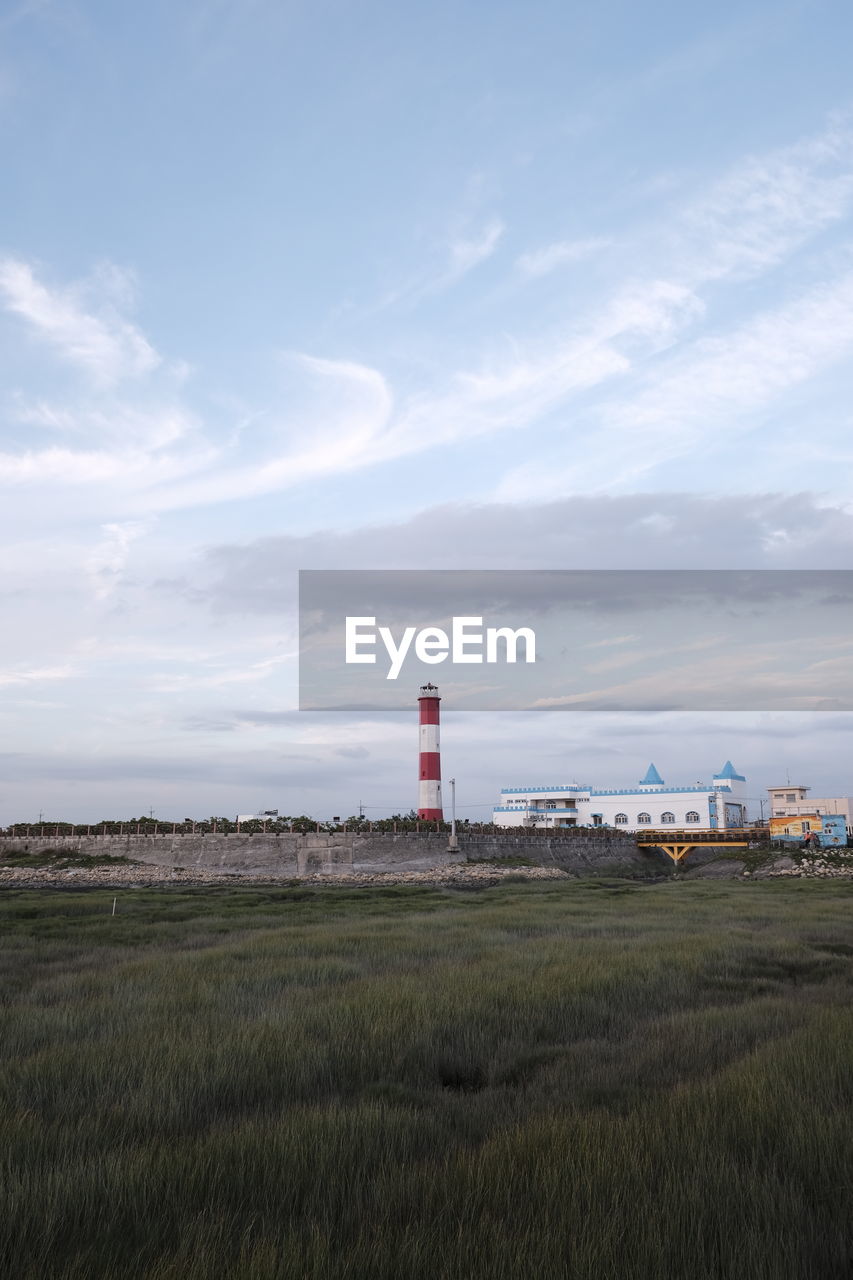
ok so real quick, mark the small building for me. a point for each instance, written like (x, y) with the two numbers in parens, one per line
(830, 827)
(791, 801)
(716, 805)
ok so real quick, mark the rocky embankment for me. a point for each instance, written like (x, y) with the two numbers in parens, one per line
(140, 875)
(835, 866)
(64, 874)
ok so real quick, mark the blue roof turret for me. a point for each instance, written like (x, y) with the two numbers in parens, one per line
(652, 778)
(729, 772)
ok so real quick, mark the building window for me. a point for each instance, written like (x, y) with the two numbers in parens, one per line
(621, 817)
(644, 817)
(790, 798)
(692, 816)
(667, 817)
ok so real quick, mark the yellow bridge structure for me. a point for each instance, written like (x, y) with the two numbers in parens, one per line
(678, 842)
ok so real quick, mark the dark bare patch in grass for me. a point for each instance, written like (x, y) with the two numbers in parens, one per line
(844, 949)
(757, 972)
(462, 1076)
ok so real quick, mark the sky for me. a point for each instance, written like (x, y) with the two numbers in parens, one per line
(297, 286)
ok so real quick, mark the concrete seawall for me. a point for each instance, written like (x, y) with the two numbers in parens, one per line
(346, 853)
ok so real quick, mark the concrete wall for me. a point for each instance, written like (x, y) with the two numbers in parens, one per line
(345, 853)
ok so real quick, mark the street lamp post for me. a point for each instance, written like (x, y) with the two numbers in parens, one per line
(453, 844)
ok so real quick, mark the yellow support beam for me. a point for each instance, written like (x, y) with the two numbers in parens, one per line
(678, 851)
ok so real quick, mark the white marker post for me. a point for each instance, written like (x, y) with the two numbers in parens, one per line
(453, 845)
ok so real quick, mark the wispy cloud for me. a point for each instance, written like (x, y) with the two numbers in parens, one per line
(344, 428)
(751, 365)
(107, 561)
(766, 207)
(713, 389)
(541, 262)
(454, 258)
(35, 675)
(105, 346)
(468, 252)
(249, 673)
(640, 349)
(515, 391)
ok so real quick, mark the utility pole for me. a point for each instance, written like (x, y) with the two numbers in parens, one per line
(453, 845)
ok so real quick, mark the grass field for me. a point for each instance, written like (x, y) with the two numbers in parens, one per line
(555, 1079)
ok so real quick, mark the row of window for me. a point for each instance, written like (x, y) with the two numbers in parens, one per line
(692, 816)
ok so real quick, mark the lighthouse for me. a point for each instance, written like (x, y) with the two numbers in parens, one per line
(429, 760)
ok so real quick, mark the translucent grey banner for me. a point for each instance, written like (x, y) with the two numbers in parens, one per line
(613, 640)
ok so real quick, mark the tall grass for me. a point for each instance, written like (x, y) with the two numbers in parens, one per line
(540, 1080)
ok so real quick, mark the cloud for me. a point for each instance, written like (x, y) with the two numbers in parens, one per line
(340, 431)
(751, 366)
(648, 313)
(250, 673)
(240, 770)
(106, 563)
(541, 262)
(611, 640)
(35, 675)
(153, 426)
(746, 223)
(123, 475)
(456, 256)
(755, 531)
(767, 206)
(638, 347)
(511, 393)
(468, 252)
(714, 388)
(105, 346)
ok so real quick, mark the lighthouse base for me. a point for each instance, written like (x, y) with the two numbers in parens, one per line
(431, 815)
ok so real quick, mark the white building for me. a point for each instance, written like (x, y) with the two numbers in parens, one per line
(719, 805)
(790, 801)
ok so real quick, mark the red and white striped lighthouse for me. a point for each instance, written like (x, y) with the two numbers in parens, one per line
(429, 762)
